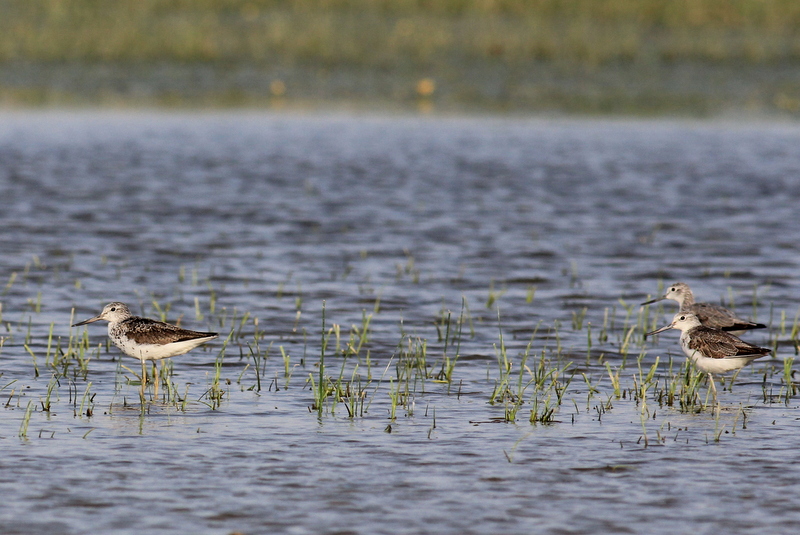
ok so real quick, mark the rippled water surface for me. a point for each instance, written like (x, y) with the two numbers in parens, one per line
(479, 239)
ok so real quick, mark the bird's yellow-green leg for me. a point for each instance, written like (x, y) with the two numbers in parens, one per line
(713, 388)
(144, 376)
(156, 378)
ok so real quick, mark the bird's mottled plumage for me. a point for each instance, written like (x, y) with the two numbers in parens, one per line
(717, 344)
(146, 331)
(714, 316)
(147, 339)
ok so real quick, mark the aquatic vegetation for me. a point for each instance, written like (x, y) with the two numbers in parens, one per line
(448, 362)
(321, 389)
(547, 382)
(682, 388)
(538, 380)
(234, 442)
(215, 391)
(26, 420)
(791, 387)
(51, 386)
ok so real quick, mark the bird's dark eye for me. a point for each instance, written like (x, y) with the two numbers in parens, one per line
(672, 289)
(683, 318)
(113, 309)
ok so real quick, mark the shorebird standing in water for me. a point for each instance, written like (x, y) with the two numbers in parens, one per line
(146, 339)
(714, 316)
(712, 350)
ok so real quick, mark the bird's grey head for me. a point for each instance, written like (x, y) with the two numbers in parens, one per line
(112, 312)
(683, 321)
(679, 292)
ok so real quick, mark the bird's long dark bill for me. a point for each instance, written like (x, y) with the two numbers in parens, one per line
(656, 300)
(661, 330)
(84, 322)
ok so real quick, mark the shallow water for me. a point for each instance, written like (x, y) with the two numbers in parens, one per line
(216, 216)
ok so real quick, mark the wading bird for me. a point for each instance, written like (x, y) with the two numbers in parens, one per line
(146, 339)
(714, 316)
(712, 350)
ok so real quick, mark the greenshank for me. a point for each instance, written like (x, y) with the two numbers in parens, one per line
(714, 316)
(146, 339)
(712, 350)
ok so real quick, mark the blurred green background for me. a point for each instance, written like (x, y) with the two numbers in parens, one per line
(641, 57)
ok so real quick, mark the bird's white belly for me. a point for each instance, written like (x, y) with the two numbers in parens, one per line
(155, 351)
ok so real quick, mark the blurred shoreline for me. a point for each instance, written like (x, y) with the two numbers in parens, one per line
(699, 58)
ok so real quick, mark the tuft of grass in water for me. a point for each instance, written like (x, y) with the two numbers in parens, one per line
(602, 335)
(530, 294)
(643, 382)
(501, 389)
(542, 411)
(544, 379)
(591, 389)
(33, 356)
(320, 389)
(433, 424)
(411, 372)
(87, 402)
(577, 319)
(171, 394)
(359, 335)
(574, 279)
(754, 303)
(212, 297)
(242, 323)
(36, 306)
(614, 376)
(215, 392)
(408, 269)
(791, 387)
(548, 390)
(412, 360)
(26, 420)
(51, 386)
(288, 369)
(161, 311)
(28, 334)
(49, 344)
(259, 359)
(682, 388)
(10, 283)
(494, 295)
(394, 396)
(448, 363)
(731, 299)
(795, 332)
(354, 393)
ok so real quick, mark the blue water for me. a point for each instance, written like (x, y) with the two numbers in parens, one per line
(558, 228)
